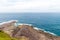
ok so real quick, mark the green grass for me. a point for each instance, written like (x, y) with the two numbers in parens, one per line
(4, 36)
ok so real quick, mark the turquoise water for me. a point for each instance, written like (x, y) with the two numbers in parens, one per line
(47, 21)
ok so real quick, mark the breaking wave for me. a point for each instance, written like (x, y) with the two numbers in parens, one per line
(45, 31)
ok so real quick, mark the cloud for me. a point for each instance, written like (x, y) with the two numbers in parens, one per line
(29, 5)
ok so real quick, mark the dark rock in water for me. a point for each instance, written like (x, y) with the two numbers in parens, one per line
(26, 31)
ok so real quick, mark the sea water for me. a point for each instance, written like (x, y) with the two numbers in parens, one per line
(48, 21)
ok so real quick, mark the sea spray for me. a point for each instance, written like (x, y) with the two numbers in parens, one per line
(44, 31)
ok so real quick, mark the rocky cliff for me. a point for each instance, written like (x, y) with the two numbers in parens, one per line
(27, 32)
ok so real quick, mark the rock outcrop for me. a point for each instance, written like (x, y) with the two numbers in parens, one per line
(27, 32)
(8, 27)
(32, 34)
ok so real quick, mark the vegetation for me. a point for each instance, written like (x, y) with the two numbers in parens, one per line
(4, 36)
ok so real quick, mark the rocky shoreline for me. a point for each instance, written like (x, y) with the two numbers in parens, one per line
(25, 31)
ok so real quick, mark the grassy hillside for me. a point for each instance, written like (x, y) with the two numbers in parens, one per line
(4, 36)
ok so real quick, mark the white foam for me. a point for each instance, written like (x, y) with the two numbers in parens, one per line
(44, 31)
(8, 22)
(24, 24)
(50, 33)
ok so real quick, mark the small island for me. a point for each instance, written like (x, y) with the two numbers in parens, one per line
(9, 31)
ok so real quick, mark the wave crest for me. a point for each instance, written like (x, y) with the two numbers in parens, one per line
(44, 31)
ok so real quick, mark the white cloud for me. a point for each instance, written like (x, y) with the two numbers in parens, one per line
(29, 6)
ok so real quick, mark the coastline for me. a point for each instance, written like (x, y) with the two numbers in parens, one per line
(17, 23)
(26, 31)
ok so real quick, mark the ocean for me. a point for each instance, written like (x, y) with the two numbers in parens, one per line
(48, 21)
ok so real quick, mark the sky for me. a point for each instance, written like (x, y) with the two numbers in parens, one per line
(29, 6)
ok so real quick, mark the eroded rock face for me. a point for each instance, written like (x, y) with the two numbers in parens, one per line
(32, 34)
(8, 27)
(27, 32)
